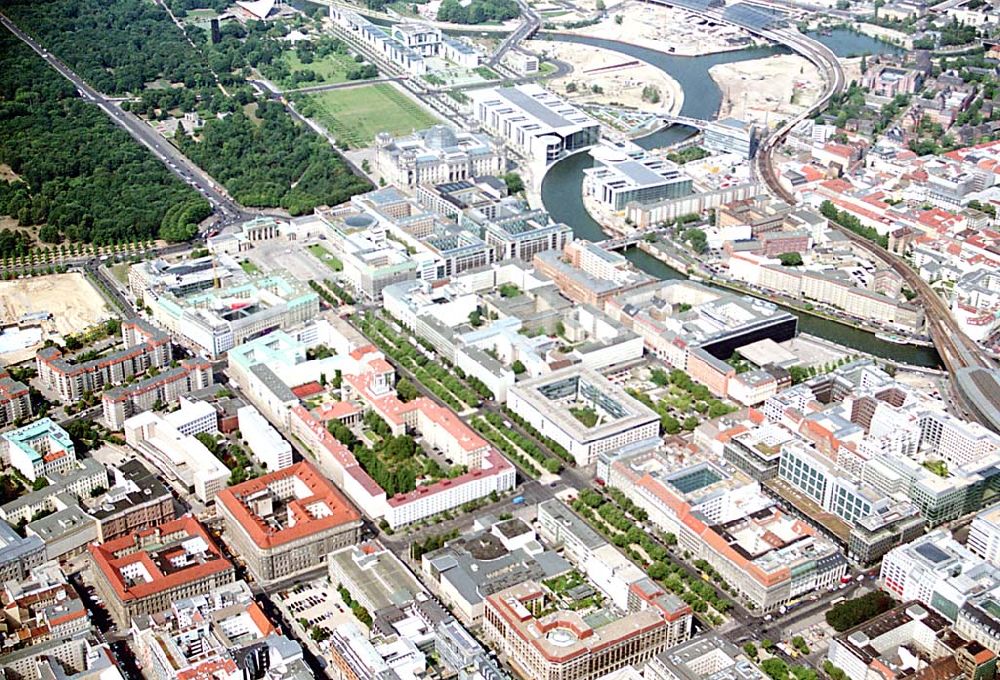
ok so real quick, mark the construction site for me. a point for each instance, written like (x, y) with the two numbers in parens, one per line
(34, 310)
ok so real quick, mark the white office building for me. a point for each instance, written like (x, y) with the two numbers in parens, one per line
(984, 535)
(730, 135)
(266, 445)
(583, 412)
(619, 178)
(958, 442)
(193, 417)
(605, 566)
(937, 570)
(181, 457)
(533, 121)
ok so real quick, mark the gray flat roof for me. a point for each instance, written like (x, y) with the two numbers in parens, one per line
(383, 579)
(533, 107)
(590, 538)
(639, 173)
(273, 382)
(476, 577)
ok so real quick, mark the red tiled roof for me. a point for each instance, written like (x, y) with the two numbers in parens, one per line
(381, 366)
(209, 670)
(260, 619)
(361, 351)
(812, 173)
(837, 185)
(66, 618)
(264, 536)
(335, 411)
(113, 556)
(307, 390)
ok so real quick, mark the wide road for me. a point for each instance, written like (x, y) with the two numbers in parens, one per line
(531, 22)
(228, 210)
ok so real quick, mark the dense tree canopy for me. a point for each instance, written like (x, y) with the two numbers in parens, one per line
(850, 613)
(181, 7)
(116, 46)
(259, 154)
(81, 175)
(273, 162)
(478, 11)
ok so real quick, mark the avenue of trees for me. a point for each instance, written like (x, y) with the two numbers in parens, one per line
(80, 175)
(117, 47)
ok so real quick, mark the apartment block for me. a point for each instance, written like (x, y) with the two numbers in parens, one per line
(145, 347)
(15, 400)
(166, 387)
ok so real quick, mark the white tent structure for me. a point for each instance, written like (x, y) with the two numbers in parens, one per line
(258, 8)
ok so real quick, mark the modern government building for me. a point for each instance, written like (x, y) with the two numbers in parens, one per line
(546, 402)
(534, 122)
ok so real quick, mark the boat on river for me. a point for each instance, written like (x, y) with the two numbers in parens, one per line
(904, 340)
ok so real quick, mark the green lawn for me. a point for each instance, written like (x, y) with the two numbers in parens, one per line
(585, 415)
(355, 115)
(326, 257)
(330, 69)
(938, 467)
(561, 584)
(120, 272)
(249, 267)
(486, 73)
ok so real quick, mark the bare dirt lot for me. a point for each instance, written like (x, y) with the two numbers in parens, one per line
(767, 89)
(73, 303)
(621, 79)
(7, 174)
(668, 29)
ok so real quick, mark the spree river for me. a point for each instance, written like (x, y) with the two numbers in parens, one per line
(562, 188)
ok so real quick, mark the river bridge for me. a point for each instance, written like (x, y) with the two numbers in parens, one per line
(696, 123)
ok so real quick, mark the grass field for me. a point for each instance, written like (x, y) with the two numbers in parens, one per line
(249, 267)
(355, 115)
(120, 272)
(326, 257)
(486, 73)
(330, 69)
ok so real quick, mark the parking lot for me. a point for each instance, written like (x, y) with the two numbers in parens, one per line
(317, 603)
